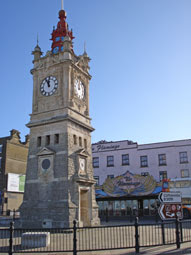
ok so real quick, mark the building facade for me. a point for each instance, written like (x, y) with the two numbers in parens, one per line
(13, 160)
(161, 160)
(130, 176)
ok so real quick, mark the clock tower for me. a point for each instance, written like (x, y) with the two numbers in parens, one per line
(59, 179)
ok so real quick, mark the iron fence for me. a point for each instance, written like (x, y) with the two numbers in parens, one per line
(77, 239)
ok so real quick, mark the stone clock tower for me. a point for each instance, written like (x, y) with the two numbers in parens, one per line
(59, 180)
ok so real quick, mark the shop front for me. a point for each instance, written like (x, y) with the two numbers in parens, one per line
(128, 195)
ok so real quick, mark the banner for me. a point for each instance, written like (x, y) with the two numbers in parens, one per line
(16, 182)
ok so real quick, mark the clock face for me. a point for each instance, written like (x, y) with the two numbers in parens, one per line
(82, 165)
(79, 88)
(49, 86)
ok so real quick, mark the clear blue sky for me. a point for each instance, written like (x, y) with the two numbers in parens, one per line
(141, 64)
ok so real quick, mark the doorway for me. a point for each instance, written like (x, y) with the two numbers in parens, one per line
(84, 207)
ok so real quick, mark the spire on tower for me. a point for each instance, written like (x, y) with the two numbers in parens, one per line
(37, 39)
(85, 47)
(62, 3)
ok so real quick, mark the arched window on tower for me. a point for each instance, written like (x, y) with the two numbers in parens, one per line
(75, 139)
(80, 141)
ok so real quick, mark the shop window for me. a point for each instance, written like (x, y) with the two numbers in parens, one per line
(144, 161)
(75, 139)
(1, 148)
(145, 173)
(110, 161)
(135, 207)
(56, 138)
(96, 179)
(129, 207)
(117, 208)
(162, 159)
(111, 176)
(184, 173)
(152, 207)
(162, 175)
(183, 157)
(100, 204)
(110, 207)
(39, 139)
(47, 139)
(145, 207)
(125, 159)
(95, 162)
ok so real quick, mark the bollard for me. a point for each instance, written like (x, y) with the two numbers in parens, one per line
(11, 238)
(136, 235)
(177, 234)
(74, 238)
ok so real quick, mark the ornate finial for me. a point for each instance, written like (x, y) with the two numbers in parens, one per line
(62, 8)
(37, 40)
(85, 47)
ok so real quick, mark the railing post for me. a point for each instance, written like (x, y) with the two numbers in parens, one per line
(14, 215)
(136, 235)
(74, 238)
(163, 233)
(181, 233)
(177, 234)
(11, 238)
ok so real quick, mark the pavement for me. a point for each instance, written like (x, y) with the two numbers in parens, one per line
(162, 250)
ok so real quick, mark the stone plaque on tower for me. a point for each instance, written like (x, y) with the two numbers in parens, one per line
(59, 179)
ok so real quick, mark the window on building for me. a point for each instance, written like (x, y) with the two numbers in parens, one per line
(111, 176)
(56, 138)
(1, 148)
(162, 159)
(162, 175)
(39, 141)
(95, 162)
(144, 161)
(0, 162)
(47, 139)
(184, 173)
(85, 143)
(145, 173)
(75, 139)
(183, 157)
(96, 179)
(125, 159)
(110, 160)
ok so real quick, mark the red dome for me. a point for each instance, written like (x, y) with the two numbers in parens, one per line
(60, 32)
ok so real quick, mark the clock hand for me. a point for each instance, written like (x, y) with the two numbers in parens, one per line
(48, 82)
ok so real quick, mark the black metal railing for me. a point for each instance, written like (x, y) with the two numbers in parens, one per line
(83, 239)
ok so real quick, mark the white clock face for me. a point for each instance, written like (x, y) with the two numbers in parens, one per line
(79, 88)
(82, 164)
(49, 86)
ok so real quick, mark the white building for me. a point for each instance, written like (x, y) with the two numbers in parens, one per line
(161, 160)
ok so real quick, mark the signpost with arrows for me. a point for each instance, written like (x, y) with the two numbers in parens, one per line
(171, 205)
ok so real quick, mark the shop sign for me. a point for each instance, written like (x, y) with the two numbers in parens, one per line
(170, 211)
(104, 147)
(170, 197)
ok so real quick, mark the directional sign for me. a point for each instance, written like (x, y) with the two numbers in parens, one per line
(170, 211)
(170, 197)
